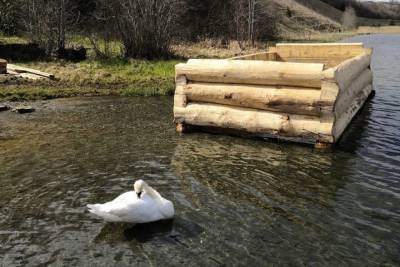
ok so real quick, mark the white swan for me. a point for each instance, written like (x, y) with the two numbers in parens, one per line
(143, 205)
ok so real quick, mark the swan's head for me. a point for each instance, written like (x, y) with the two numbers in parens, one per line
(139, 187)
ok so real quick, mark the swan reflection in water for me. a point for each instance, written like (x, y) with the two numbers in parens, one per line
(167, 231)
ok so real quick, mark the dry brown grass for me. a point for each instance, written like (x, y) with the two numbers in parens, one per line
(320, 37)
(210, 48)
(383, 29)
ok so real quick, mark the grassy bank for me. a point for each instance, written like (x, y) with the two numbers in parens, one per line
(94, 77)
(131, 77)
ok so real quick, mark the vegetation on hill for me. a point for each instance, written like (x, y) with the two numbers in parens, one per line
(130, 47)
(369, 9)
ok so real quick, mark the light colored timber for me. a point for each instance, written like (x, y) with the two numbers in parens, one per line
(298, 92)
(347, 71)
(328, 62)
(252, 72)
(336, 50)
(295, 100)
(31, 76)
(343, 121)
(12, 72)
(253, 121)
(348, 95)
(29, 70)
(329, 92)
(271, 56)
(180, 99)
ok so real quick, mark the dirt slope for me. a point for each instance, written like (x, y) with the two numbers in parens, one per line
(295, 16)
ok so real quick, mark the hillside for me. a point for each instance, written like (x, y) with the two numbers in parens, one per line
(322, 15)
(383, 10)
(296, 16)
(369, 9)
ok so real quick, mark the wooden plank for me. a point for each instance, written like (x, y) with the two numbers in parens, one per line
(31, 76)
(329, 50)
(12, 72)
(343, 121)
(253, 121)
(271, 56)
(347, 71)
(294, 100)
(328, 62)
(252, 72)
(347, 96)
(19, 69)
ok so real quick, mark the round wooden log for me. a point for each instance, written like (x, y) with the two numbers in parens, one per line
(293, 100)
(345, 118)
(254, 121)
(346, 72)
(347, 96)
(252, 72)
(180, 99)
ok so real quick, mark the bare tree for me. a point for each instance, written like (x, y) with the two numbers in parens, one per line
(349, 19)
(253, 21)
(143, 26)
(240, 19)
(48, 22)
(9, 14)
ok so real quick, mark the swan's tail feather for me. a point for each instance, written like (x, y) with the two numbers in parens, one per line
(91, 207)
(96, 210)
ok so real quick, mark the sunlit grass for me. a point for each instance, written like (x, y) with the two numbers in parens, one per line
(96, 77)
(12, 39)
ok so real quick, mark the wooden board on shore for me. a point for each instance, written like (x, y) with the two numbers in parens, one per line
(20, 69)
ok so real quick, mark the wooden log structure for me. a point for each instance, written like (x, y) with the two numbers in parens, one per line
(300, 92)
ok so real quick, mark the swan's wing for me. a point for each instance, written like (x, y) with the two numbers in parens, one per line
(167, 209)
(103, 210)
(137, 211)
(128, 196)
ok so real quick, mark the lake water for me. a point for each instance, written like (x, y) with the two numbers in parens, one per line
(238, 201)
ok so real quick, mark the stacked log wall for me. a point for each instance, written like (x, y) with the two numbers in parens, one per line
(256, 94)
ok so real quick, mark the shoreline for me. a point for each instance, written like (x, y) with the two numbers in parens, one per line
(119, 77)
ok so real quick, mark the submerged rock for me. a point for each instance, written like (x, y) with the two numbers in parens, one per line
(4, 107)
(23, 109)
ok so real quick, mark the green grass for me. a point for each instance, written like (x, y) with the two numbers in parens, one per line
(12, 39)
(115, 76)
(118, 76)
(95, 77)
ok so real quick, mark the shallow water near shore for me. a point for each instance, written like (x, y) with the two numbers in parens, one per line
(238, 201)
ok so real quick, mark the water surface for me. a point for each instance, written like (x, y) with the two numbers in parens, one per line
(238, 201)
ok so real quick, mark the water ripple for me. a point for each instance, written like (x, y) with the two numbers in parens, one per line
(238, 202)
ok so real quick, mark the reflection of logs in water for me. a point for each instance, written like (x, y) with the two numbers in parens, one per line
(268, 175)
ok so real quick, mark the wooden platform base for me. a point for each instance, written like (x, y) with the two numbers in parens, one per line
(182, 127)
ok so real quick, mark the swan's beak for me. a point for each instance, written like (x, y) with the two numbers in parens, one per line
(138, 194)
